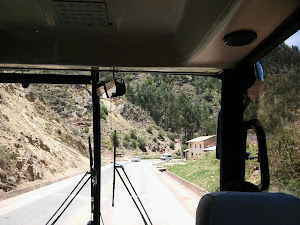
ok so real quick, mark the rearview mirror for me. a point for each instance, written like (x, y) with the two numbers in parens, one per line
(110, 89)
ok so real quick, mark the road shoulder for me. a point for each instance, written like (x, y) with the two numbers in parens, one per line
(185, 193)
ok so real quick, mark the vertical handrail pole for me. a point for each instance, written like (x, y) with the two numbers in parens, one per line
(97, 147)
(232, 164)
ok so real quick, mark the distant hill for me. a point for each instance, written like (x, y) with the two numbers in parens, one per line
(185, 105)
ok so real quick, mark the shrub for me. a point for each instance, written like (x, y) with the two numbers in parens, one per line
(125, 143)
(126, 137)
(161, 135)
(6, 155)
(133, 134)
(135, 115)
(86, 129)
(149, 129)
(106, 143)
(284, 160)
(207, 96)
(133, 144)
(103, 112)
(172, 145)
(128, 77)
(142, 143)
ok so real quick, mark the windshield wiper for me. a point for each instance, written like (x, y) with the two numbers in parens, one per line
(93, 176)
(116, 167)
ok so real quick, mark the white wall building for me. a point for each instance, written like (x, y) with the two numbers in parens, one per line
(199, 145)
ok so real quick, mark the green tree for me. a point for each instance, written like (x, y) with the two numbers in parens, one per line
(130, 93)
(172, 136)
(176, 111)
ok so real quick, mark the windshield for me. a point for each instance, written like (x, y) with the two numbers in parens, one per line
(48, 127)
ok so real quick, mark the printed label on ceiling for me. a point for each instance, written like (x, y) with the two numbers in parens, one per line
(82, 13)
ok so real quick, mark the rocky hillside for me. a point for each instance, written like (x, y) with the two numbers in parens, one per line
(137, 132)
(44, 131)
(34, 144)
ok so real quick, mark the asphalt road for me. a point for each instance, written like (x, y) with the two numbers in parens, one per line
(37, 207)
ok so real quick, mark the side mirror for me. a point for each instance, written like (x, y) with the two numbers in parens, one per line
(258, 70)
(257, 88)
(112, 88)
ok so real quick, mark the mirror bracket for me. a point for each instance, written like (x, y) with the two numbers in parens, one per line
(110, 89)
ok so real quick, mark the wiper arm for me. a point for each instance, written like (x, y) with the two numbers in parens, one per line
(93, 174)
(116, 166)
(69, 202)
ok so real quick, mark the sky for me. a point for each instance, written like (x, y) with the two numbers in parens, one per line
(294, 40)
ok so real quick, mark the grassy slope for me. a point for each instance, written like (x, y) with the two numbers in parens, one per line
(203, 172)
